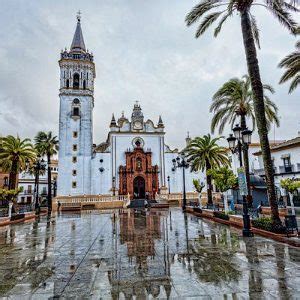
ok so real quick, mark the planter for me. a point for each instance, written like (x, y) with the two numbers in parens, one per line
(208, 213)
(4, 221)
(236, 220)
(29, 215)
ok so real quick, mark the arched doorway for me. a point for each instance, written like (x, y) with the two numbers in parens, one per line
(139, 188)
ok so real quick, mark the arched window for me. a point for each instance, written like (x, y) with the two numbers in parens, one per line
(67, 83)
(76, 108)
(76, 81)
(84, 85)
(75, 111)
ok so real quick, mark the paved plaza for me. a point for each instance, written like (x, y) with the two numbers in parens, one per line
(123, 255)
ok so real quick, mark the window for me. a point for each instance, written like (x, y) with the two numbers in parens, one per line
(84, 85)
(74, 159)
(5, 181)
(76, 101)
(75, 111)
(74, 184)
(75, 108)
(29, 189)
(75, 134)
(74, 172)
(74, 147)
(67, 83)
(76, 81)
(287, 164)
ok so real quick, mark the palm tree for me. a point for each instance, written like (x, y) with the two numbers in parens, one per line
(14, 153)
(47, 144)
(235, 99)
(204, 153)
(281, 10)
(292, 64)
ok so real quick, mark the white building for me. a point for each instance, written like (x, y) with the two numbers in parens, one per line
(286, 161)
(134, 158)
(27, 182)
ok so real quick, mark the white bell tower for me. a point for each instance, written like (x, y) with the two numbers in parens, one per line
(77, 74)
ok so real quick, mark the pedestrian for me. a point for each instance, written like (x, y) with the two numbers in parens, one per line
(58, 206)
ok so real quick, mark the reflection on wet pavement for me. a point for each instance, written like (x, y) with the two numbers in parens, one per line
(123, 255)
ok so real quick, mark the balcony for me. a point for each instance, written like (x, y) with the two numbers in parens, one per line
(286, 169)
(259, 172)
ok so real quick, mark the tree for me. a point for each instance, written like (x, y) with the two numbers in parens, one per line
(204, 153)
(14, 153)
(224, 179)
(281, 10)
(291, 186)
(47, 144)
(199, 187)
(235, 99)
(292, 65)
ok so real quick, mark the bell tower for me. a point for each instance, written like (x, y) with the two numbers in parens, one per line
(76, 93)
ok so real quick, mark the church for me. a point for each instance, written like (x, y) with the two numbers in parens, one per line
(134, 160)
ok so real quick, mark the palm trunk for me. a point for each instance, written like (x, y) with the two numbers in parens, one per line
(49, 197)
(246, 162)
(208, 182)
(259, 109)
(13, 176)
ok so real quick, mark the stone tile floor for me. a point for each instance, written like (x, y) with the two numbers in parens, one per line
(123, 255)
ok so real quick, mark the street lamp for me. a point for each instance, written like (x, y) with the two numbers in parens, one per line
(180, 162)
(168, 178)
(114, 185)
(243, 139)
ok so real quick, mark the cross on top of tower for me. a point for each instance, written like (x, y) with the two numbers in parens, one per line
(78, 16)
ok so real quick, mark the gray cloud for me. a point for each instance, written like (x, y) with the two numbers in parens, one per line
(143, 51)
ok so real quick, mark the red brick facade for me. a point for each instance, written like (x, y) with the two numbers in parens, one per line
(138, 178)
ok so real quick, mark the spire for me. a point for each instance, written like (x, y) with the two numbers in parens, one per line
(78, 42)
(160, 123)
(113, 122)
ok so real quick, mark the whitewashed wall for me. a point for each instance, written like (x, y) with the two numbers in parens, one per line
(83, 126)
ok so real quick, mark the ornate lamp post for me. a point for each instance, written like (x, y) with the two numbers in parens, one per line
(114, 185)
(243, 139)
(168, 178)
(180, 162)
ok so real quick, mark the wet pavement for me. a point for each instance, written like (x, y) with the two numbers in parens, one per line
(163, 254)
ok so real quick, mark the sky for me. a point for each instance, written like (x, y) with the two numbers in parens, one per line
(142, 51)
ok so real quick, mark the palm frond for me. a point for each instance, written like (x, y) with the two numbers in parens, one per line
(208, 20)
(255, 30)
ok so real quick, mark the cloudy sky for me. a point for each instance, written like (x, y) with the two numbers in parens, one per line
(143, 51)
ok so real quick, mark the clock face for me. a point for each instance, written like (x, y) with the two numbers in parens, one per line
(138, 125)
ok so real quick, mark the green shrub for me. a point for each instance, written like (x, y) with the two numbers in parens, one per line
(266, 223)
(221, 215)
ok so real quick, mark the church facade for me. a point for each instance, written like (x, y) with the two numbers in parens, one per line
(133, 160)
